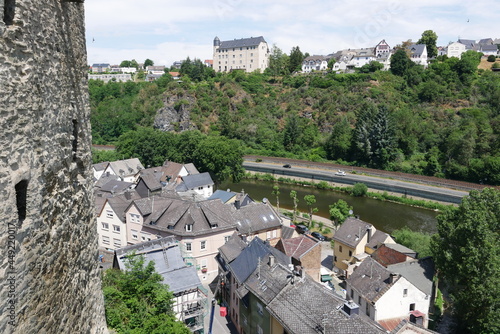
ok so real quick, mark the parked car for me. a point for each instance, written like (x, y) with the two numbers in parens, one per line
(287, 166)
(318, 236)
(301, 228)
(340, 173)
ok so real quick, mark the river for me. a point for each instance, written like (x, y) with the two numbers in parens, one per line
(385, 216)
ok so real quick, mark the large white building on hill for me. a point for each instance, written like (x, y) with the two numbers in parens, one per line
(248, 54)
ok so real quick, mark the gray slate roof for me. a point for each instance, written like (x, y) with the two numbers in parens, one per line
(256, 217)
(377, 238)
(232, 248)
(246, 263)
(100, 166)
(417, 49)
(194, 181)
(402, 249)
(166, 255)
(488, 47)
(287, 232)
(371, 280)
(470, 44)
(126, 167)
(351, 231)
(105, 179)
(418, 272)
(244, 42)
(305, 307)
(121, 202)
(223, 195)
(115, 186)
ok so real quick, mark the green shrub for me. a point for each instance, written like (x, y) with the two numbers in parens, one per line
(491, 58)
(359, 189)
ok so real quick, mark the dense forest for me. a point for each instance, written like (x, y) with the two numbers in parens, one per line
(441, 121)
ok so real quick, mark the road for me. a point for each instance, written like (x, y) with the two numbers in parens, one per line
(434, 193)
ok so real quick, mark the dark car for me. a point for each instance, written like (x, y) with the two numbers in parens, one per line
(287, 166)
(318, 236)
(302, 228)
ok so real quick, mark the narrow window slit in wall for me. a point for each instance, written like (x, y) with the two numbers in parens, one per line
(75, 139)
(21, 194)
(9, 7)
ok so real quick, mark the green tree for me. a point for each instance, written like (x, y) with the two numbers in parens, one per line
(467, 254)
(359, 189)
(292, 132)
(148, 62)
(400, 63)
(278, 62)
(429, 38)
(293, 196)
(220, 156)
(331, 62)
(137, 302)
(339, 143)
(134, 63)
(125, 63)
(276, 192)
(295, 60)
(310, 201)
(339, 212)
(417, 241)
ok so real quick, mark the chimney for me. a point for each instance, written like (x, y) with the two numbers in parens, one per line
(369, 230)
(271, 260)
(179, 179)
(351, 308)
(393, 277)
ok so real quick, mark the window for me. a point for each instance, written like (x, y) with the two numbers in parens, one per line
(116, 228)
(21, 192)
(260, 309)
(350, 253)
(135, 235)
(189, 227)
(367, 309)
(340, 248)
(251, 54)
(405, 292)
(117, 242)
(105, 240)
(105, 226)
(200, 188)
(352, 293)
(226, 239)
(188, 246)
(412, 307)
(109, 214)
(359, 300)
(8, 12)
(203, 245)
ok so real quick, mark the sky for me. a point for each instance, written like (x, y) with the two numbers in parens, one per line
(165, 31)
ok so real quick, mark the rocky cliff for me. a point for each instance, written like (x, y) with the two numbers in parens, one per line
(48, 240)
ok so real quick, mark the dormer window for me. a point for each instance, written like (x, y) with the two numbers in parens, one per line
(189, 227)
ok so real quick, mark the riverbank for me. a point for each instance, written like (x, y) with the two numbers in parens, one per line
(372, 193)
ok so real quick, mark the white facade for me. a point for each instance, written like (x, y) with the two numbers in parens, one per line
(314, 63)
(456, 49)
(111, 77)
(249, 54)
(111, 229)
(127, 170)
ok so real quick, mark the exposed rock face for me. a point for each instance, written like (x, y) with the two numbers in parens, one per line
(175, 114)
(48, 241)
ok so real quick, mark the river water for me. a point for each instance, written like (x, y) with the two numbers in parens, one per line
(385, 216)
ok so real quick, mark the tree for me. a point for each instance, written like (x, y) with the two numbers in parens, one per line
(125, 63)
(136, 301)
(359, 189)
(429, 38)
(292, 132)
(310, 201)
(467, 254)
(293, 195)
(220, 156)
(276, 192)
(339, 142)
(400, 63)
(134, 63)
(339, 212)
(148, 62)
(417, 241)
(295, 60)
(278, 62)
(492, 58)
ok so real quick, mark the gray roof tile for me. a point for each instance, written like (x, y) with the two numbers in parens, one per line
(243, 42)
(351, 231)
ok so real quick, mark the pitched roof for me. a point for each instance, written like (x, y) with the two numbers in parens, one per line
(287, 232)
(377, 239)
(121, 202)
(352, 231)
(247, 261)
(387, 256)
(418, 272)
(256, 217)
(244, 42)
(298, 247)
(194, 181)
(305, 306)
(105, 179)
(126, 167)
(232, 248)
(469, 43)
(166, 255)
(402, 249)
(417, 49)
(100, 166)
(223, 195)
(115, 186)
(489, 47)
(371, 280)
(407, 327)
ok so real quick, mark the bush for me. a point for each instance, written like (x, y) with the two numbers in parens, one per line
(359, 189)
(491, 58)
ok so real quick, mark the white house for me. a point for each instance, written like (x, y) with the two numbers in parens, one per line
(456, 49)
(247, 54)
(200, 183)
(418, 54)
(315, 63)
(127, 170)
(383, 294)
(363, 57)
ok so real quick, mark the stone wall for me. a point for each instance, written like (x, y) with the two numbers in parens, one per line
(48, 238)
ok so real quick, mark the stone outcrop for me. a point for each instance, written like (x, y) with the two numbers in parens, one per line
(175, 114)
(48, 241)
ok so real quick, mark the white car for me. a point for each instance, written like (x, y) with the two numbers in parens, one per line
(340, 173)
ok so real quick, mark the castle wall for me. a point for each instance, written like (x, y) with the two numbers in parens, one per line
(48, 240)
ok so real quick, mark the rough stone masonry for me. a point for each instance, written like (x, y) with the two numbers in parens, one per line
(48, 242)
